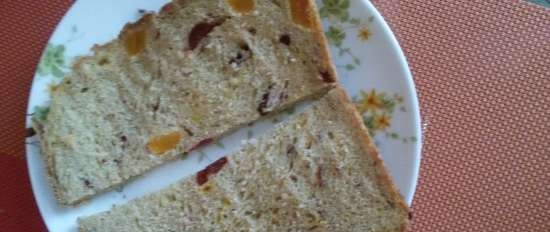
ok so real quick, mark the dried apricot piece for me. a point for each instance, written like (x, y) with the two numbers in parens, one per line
(300, 11)
(135, 40)
(242, 6)
(163, 143)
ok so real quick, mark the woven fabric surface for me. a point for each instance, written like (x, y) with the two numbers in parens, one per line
(25, 28)
(482, 70)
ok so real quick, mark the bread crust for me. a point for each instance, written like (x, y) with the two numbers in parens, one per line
(341, 103)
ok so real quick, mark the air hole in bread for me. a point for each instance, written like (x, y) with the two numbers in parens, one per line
(83, 90)
(157, 34)
(156, 106)
(242, 55)
(285, 39)
(294, 178)
(244, 46)
(252, 30)
(308, 144)
(123, 141)
(188, 131)
(103, 61)
(88, 184)
(330, 135)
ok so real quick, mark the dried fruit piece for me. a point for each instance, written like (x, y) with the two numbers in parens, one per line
(167, 9)
(300, 11)
(202, 176)
(319, 176)
(163, 143)
(265, 100)
(202, 143)
(200, 31)
(326, 77)
(242, 6)
(135, 40)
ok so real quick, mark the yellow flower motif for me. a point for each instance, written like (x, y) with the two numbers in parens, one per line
(369, 101)
(399, 99)
(382, 122)
(363, 33)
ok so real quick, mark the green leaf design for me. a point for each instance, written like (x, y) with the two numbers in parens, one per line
(388, 104)
(335, 36)
(349, 67)
(370, 19)
(341, 52)
(56, 72)
(335, 9)
(52, 61)
(219, 144)
(40, 113)
(355, 21)
(202, 155)
(368, 120)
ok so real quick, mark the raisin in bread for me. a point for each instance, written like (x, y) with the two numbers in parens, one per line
(318, 171)
(176, 80)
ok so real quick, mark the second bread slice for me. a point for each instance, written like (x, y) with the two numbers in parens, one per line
(318, 171)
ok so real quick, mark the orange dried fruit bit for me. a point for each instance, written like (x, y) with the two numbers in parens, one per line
(163, 143)
(300, 11)
(135, 40)
(242, 6)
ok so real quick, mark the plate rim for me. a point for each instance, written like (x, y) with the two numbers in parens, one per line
(404, 65)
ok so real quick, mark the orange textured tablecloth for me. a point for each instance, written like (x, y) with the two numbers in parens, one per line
(482, 69)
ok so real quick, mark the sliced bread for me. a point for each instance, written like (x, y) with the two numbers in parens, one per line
(318, 171)
(177, 80)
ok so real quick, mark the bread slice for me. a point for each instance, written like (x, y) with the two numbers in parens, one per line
(318, 171)
(177, 80)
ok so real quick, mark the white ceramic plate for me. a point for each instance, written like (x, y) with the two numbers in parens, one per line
(370, 63)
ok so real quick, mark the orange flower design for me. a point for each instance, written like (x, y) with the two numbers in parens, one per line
(363, 33)
(382, 122)
(370, 101)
